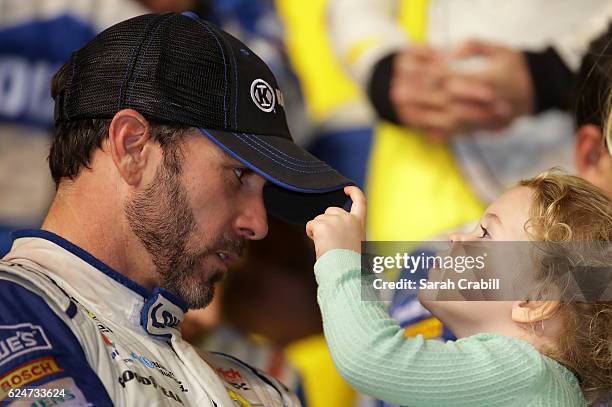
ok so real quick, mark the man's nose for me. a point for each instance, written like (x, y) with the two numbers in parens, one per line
(252, 222)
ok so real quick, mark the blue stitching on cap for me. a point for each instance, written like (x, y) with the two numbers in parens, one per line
(135, 53)
(224, 70)
(262, 152)
(255, 141)
(254, 147)
(307, 163)
(125, 78)
(318, 163)
(271, 157)
(236, 81)
(190, 14)
(268, 176)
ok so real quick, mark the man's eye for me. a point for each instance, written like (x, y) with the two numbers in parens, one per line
(239, 173)
(485, 232)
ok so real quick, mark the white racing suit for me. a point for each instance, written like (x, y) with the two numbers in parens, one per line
(86, 335)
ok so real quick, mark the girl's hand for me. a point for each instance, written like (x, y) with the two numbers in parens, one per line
(339, 229)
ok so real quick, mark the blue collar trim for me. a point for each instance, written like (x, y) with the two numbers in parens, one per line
(162, 311)
(85, 256)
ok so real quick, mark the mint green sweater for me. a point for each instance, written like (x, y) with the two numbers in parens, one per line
(372, 353)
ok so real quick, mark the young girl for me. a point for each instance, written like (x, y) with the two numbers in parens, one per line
(521, 353)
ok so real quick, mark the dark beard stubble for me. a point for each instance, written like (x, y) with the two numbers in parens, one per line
(162, 220)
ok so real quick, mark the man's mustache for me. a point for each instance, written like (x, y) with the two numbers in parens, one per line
(235, 246)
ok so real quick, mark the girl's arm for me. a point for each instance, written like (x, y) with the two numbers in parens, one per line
(372, 353)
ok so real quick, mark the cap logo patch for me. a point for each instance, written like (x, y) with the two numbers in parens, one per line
(263, 95)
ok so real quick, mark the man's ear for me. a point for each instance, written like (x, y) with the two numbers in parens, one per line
(533, 311)
(589, 147)
(128, 134)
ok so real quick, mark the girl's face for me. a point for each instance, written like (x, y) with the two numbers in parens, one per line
(504, 220)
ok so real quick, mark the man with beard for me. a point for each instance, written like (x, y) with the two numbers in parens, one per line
(169, 136)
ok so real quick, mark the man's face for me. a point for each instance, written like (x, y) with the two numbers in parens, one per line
(193, 221)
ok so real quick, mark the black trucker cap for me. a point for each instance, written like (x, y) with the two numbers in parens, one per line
(178, 68)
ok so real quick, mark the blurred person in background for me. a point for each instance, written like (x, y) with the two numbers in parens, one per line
(437, 70)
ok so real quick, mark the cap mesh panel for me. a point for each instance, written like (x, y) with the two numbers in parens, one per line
(186, 72)
(115, 71)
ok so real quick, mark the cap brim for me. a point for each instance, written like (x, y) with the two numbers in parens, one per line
(300, 185)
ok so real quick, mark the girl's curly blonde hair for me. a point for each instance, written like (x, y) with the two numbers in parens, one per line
(567, 208)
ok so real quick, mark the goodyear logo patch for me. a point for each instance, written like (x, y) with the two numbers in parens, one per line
(18, 340)
(28, 373)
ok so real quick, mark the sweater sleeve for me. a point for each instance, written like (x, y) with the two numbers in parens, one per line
(372, 353)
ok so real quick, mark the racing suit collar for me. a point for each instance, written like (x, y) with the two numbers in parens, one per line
(158, 312)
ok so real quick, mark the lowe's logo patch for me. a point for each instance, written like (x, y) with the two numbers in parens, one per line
(20, 339)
